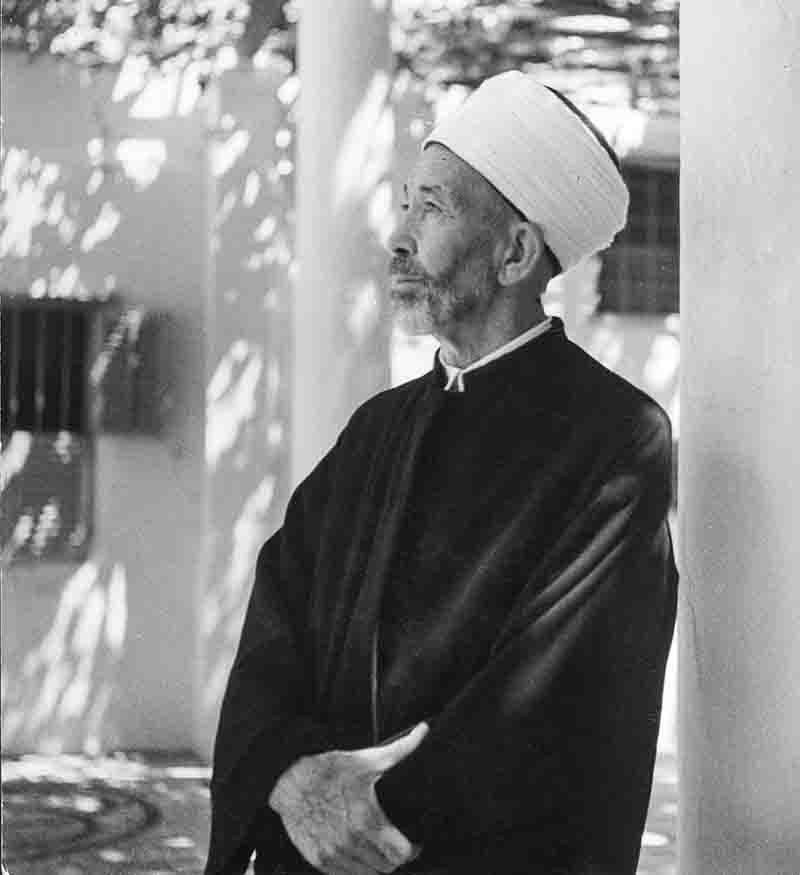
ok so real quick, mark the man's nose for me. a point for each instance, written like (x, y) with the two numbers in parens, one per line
(401, 241)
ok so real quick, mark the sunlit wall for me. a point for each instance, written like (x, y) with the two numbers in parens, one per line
(138, 185)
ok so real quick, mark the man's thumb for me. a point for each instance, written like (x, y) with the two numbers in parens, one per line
(390, 754)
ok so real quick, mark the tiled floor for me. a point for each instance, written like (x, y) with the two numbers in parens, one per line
(131, 814)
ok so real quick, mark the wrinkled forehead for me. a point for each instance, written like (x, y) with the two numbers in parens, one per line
(439, 167)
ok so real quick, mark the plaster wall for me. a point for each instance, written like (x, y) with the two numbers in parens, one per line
(248, 362)
(95, 655)
(739, 471)
(179, 203)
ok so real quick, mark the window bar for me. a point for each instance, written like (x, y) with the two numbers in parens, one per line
(13, 377)
(40, 395)
(66, 376)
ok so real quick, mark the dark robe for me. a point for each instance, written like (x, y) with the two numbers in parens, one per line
(497, 563)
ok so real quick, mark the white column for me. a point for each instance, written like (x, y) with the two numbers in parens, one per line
(739, 690)
(344, 149)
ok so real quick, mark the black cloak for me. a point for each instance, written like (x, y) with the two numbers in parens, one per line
(497, 563)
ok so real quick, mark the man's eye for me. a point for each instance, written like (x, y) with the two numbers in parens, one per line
(427, 206)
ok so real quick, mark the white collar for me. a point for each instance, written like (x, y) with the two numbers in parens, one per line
(455, 376)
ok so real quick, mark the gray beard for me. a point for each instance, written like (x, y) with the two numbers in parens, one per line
(446, 303)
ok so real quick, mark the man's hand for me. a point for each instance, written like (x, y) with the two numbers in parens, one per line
(328, 806)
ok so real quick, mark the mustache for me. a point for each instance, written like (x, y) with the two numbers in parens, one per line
(402, 267)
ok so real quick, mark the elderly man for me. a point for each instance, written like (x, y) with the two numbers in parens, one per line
(453, 657)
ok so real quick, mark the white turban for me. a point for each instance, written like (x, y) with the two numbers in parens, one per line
(537, 152)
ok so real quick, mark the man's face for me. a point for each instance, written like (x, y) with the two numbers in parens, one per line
(443, 267)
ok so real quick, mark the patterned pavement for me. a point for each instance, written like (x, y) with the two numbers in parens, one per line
(70, 815)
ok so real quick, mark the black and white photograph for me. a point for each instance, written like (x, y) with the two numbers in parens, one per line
(398, 466)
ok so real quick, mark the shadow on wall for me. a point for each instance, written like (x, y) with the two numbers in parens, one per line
(247, 385)
(63, 686)
(136, 184)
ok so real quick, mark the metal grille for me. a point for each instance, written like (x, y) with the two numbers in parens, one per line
(46, 462)
(43, 354)
(640, 271)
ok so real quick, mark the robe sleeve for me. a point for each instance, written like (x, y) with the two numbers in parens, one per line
(265, 723)
(563, 717)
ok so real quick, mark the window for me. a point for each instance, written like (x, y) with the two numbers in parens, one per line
(46, 447)
(640, 270)
(68, 370)
(43, 367)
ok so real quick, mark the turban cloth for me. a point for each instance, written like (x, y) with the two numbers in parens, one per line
(542, 156)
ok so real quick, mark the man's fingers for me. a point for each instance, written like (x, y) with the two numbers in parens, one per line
(385, 756)
(370, 850)
(388, 838)
(353, 864)
(372, 857)
(394, 845)
(340, 861)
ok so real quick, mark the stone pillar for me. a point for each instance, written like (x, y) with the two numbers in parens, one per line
(343, 202)
(739, 694)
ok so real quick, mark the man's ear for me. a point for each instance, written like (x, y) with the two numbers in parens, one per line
(524, 250)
